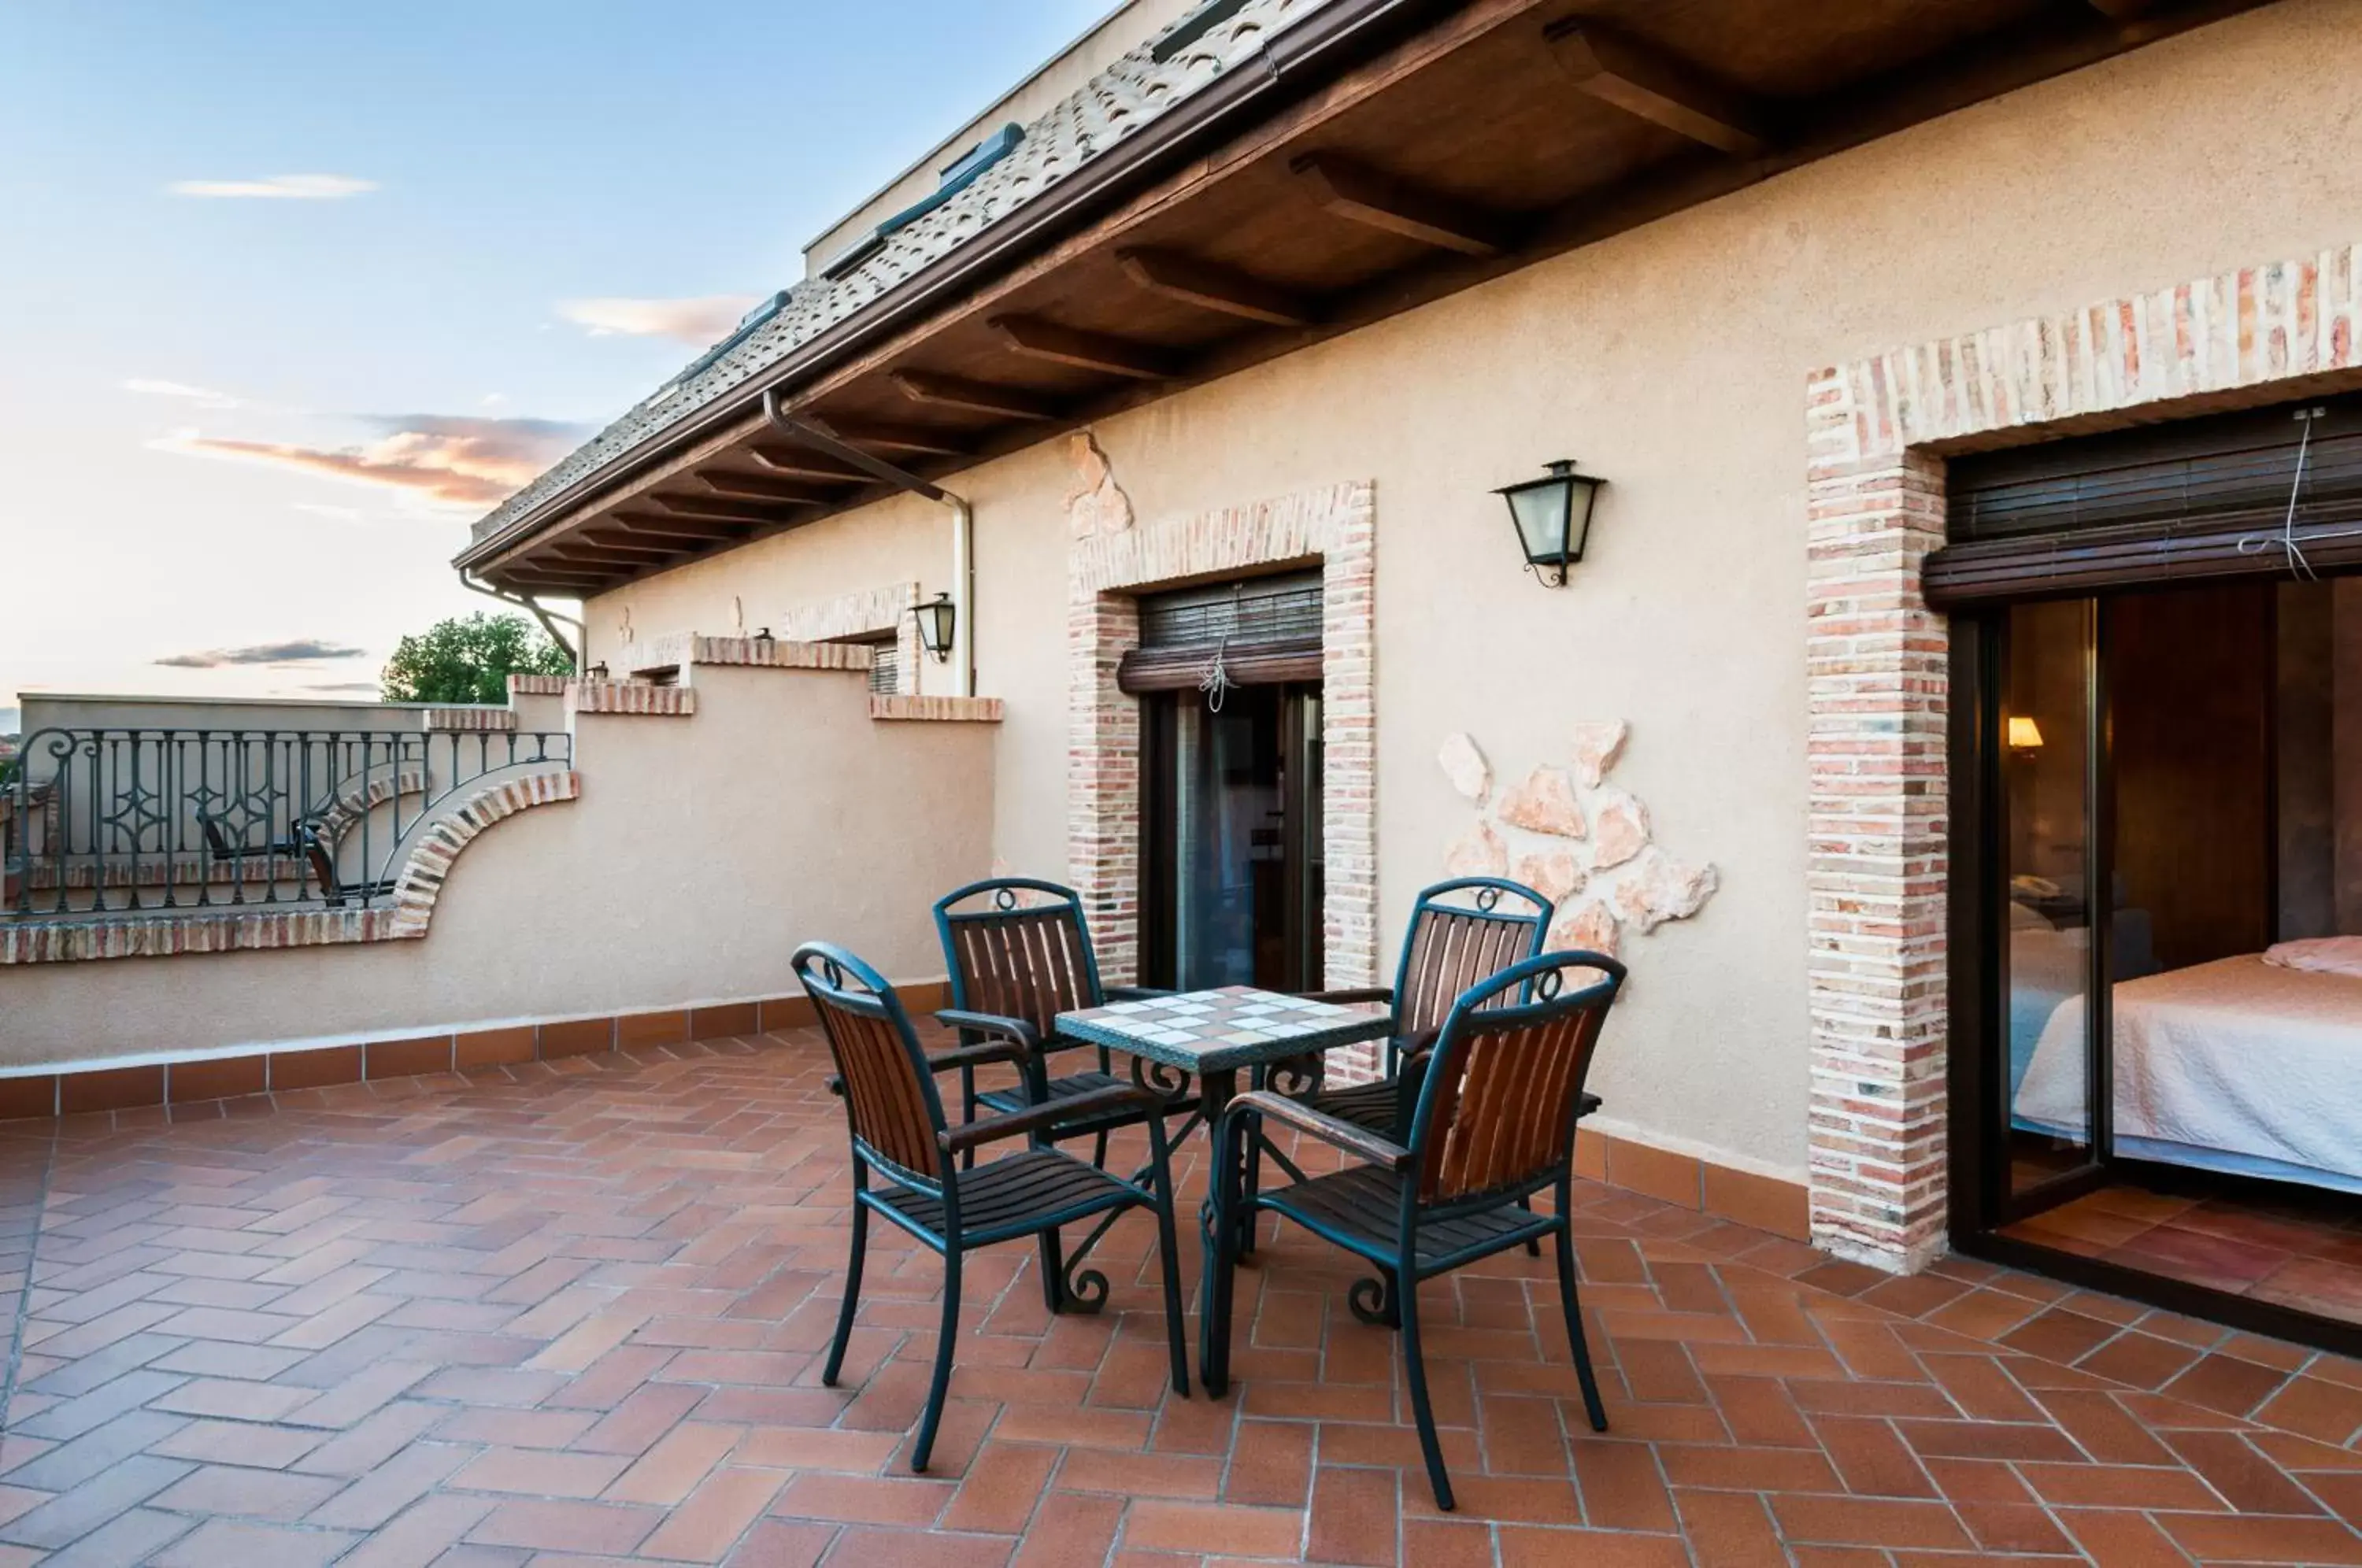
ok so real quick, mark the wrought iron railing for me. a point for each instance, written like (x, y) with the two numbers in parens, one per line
(105, 821)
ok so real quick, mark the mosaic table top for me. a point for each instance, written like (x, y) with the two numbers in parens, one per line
(1236, 1026)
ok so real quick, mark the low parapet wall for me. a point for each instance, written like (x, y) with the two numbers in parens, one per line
(702, 831)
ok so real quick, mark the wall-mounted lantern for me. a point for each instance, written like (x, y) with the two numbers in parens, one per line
(2025, 734)
(937, 618)
(764, 644)
(599, 670)
(1554, 518)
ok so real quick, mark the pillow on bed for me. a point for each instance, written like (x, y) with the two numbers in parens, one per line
(2322, 954)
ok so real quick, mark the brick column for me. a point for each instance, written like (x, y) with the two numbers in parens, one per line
(1876, 677)
(1103, 778)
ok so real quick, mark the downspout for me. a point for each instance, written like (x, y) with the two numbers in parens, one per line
(547, 617)
(806, 431)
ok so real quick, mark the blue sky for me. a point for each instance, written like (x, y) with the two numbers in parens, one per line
(235, 424)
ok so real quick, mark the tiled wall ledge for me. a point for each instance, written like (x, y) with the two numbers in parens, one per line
(1747, 1197)
(937, 710)
(308, 1065)
(468, 719)
(165, 934)
(630, 697)
(537, 686)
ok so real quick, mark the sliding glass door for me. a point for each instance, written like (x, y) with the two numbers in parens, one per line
(2052, 900)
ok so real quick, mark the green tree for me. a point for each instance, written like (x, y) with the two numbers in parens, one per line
(469, 660)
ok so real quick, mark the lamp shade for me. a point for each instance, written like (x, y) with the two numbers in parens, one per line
(2025, 734)
(1552, 516)
(936, 619)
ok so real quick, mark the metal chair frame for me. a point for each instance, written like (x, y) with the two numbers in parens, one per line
(1448, 947)
(1043, 964)
(1520, 1098)
(899, 1134)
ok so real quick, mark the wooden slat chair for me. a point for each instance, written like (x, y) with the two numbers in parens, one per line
(1018, 953)
(1463, 931)
(899, 1135)
(1494, 1125)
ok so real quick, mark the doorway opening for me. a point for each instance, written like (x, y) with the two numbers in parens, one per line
(2159, 1032)
(1231, 863)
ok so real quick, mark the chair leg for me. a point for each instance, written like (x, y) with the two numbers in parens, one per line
(967, 1098)
(1414, 1370)
(1533, 1244)
(1168, 1250)
(852, 1292)
(1053, 1272)
(925, 1447)
(1574, 1336)
(1098, 1150)
(1252, 1184)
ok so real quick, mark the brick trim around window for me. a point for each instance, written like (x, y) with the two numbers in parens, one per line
(1331, 527)
(1876, 432)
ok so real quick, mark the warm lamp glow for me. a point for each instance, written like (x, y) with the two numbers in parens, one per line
(2023, 736)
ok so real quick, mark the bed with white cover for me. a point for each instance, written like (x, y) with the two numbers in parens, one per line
(2242, 1065)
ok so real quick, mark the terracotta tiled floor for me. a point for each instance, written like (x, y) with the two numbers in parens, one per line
(573, 1316)
(2306, 1255)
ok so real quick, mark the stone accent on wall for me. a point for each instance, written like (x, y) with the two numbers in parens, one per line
(1877, 672)
(1543, 803)
(1573, 833)
(937, 710)
(1334, 526)
(1094, 503)
(1465, 764)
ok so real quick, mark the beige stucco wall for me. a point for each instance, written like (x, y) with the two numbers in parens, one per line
(1672, 361)
(702, 851)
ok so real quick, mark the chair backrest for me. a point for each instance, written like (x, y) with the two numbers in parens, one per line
(1461, 932)
(890, 1094)
(1496, 1111)
(1019, 948)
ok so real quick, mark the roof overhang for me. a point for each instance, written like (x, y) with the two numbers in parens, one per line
(1387, 153)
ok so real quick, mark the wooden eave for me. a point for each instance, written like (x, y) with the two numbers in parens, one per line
(1506, 132)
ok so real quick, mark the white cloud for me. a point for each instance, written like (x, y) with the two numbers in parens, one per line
(699, 320)
(277, 187)
(204, 397)
(335, 514)
(455, 460)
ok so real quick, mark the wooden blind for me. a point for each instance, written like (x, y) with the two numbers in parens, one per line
(2192, 500)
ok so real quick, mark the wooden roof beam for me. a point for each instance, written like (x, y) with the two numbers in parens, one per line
(799, 464)
(754, 487)
(639, 525)
(899, 437)
(715, 511)
(587, 546)
(974, 397)
(1660, 89)
(1355, 192)
(1046, 340)
(1208, 286)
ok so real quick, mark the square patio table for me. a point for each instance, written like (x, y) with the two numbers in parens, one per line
(1212, 1034)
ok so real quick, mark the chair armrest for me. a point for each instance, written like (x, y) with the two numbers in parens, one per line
(1133, 993)
(1346, 999)
(1330, 1130)
(1015, 1029)
(978, 1056)
(1040, 1118)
